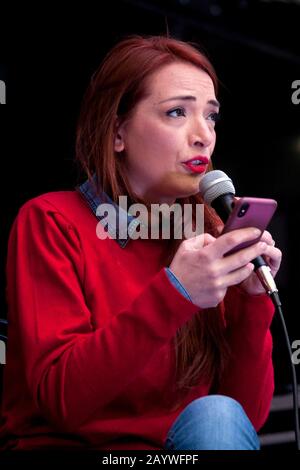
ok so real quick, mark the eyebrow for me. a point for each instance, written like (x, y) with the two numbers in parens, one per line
(192, 98)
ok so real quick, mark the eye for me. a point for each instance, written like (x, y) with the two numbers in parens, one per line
(215, 117)
(176, 112)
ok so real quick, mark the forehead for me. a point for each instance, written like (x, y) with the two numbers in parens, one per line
(180, 78)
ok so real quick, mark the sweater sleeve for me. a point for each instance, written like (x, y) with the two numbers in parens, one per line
(72, 369)
(249, 376)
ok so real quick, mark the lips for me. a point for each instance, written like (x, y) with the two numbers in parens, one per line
(203, 160)
(197, 164)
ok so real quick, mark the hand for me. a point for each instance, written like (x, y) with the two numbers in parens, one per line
(201, 267)
(272, 256)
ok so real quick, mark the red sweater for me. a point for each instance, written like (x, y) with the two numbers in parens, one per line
(89, 359)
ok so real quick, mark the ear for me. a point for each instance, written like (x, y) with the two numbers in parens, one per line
(119, 143)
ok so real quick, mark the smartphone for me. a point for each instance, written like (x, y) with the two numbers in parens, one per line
(249, 212)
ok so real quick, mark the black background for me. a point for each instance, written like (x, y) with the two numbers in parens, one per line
(47, 55)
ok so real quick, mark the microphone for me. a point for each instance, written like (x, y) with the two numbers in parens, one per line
(218, 191)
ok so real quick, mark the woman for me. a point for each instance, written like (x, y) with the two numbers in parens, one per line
(123, 342)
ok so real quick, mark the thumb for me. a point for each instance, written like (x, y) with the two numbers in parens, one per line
(208, 239)
(200, 241)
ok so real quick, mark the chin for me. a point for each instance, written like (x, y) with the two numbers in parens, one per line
(184, 194)
(178, 190)
(192, 189)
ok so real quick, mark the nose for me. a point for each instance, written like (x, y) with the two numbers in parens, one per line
(202, 135)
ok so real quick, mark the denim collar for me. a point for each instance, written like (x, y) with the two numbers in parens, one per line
(88, 191)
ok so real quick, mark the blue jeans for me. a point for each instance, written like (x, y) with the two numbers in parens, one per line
(214, 422)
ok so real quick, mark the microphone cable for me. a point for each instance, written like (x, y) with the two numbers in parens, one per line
(276, 301)
(218, 191)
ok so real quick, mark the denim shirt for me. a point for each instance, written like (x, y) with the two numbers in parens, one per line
(88, 191)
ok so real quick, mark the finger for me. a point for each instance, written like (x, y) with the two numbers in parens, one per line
(232, 239)
(273, 257)
(242, 257)
(238, 276)
(267, 237)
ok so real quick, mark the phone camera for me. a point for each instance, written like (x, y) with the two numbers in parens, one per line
(243, 209)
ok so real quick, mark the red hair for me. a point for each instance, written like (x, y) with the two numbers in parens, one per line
(115, 88)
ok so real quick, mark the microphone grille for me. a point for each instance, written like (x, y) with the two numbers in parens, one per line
(214, 184)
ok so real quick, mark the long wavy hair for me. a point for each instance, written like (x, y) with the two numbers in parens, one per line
(114, 90)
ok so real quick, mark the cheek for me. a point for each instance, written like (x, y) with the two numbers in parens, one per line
(214, 138)
(155, 143)
(166, 140)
